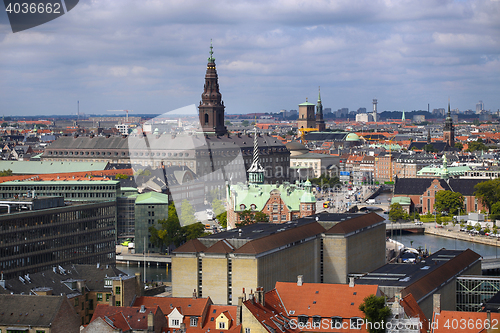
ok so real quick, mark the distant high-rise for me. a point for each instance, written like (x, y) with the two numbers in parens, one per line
(211, 108)
(374, 110)
(320, 123)
(479, 107)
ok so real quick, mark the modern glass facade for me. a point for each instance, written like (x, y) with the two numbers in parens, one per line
(38, 240)
(473, 291)
(99, 190)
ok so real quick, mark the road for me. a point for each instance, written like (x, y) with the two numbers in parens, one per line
(341, 198)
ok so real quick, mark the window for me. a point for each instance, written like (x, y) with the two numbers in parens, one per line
(107, 297)
(117, 303)
(222, 325)
(117, 290)
(316, 321)
(303, 319)
(76, 301)
(337, 323)
(356, 323)
(247, 330)
(193, 322)
(175, 322)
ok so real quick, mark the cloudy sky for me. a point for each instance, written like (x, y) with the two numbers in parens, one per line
(150, 55)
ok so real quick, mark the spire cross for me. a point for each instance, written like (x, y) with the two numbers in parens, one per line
(211, 59)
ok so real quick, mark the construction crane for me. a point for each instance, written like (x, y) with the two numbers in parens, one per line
(304, 131)
(126, 117)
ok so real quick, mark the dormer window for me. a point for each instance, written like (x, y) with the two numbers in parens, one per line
(303, 319)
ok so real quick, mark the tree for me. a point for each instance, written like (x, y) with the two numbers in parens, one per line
(488, 192)
(245, 123)
(4, 124)
(249, 217)
(170, 231)
(449, 201)
(476, 145)
(187, 213)
(495, 211)
(396, 212)
(5, 173)
(227, 123)
(459, 145)
(218, 207)
(121, 176)
(193, 231)
(375, 311)
(429, 148)
(222, 218)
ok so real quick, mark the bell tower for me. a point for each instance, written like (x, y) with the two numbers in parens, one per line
(211, 108)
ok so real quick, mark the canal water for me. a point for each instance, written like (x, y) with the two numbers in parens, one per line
(153, 273)
(433, 243)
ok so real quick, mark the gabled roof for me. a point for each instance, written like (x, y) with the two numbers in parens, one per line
(222, 246)
(188, 306)
(28, 310)
(210, 320)
(152, 198)
(354, 224)
(415, 186)
(413, 310)
(315, 299)
(272, 316)
(125, 318)
(191, 246)
(281, 238)
(423, 287)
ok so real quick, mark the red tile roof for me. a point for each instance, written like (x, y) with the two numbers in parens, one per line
(464, 322)
(325, 300)
(413, 310)
(187, 306)
(124, 318)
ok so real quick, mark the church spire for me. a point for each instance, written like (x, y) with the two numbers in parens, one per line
(403, 117)
(256, 171)
(211, 108)
(320, 122)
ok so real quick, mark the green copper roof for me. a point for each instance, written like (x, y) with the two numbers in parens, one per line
(49, 167)
(352, 137)
(438, 171)
(151, 198)
(258, 195)
(306, 103)
(401, 200)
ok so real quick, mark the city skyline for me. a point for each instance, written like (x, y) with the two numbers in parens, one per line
(151, 57)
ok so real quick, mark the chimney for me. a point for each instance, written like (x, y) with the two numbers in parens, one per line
(262, 295)
(299, 280)
(244, 295)
(112, 300)
(488, 316)
(436, 303)
(238, 310)
(138, 285)
(351, 282)
(183, 328)
(257, 295)
(194, 293)
(250, 296)
(151, 325)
